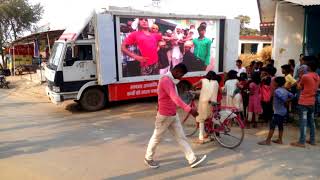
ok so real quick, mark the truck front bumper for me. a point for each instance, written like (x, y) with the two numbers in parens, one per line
(58, 98)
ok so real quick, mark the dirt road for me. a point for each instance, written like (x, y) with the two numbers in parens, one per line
(40, 141)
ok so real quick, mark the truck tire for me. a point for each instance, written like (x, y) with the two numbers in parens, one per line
(93, 99)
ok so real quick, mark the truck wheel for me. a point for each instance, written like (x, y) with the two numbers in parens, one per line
(93, 100)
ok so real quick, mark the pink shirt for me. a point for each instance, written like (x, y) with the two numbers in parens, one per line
(168, 99)
(309, 84)
(147, 45)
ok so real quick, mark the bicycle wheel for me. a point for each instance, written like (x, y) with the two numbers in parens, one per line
(230, 133)
(188, 122)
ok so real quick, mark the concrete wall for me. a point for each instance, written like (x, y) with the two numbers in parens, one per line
(288, 33)
(259, 42)
(232, 31)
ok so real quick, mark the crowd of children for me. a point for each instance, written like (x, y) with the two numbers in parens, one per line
(261, 96)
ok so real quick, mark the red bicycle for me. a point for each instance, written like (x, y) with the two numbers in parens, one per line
(224, 125)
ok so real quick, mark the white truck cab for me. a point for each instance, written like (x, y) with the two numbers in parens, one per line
(71, 67)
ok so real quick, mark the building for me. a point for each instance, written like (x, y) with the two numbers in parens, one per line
(296, 27)
(26, 51)
(253, 44)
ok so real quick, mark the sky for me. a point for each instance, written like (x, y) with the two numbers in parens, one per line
(60, 13)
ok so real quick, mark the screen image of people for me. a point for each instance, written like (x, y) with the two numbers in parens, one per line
(154, 46)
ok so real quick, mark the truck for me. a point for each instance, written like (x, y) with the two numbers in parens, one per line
(97, 61)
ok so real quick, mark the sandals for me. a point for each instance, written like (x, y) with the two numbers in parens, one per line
(297, 144)
(277, 141)
(309, 142)
(263, 143)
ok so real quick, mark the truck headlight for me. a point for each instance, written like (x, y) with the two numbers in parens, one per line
(56, 89)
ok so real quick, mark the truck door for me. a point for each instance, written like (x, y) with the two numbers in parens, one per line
(79, 66)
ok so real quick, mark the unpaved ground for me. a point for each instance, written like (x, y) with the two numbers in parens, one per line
(39, 141)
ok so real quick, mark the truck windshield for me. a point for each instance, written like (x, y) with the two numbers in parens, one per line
(56, 54)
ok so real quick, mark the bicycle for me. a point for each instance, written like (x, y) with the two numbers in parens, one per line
(224, 124)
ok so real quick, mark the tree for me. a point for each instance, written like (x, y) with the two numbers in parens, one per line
(245, 31)
(17, 17)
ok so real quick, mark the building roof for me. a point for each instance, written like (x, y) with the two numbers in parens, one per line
(267, 8)
(264, 38)
(40, 36)
(304, 2)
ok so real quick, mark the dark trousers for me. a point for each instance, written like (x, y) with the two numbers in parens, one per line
(267, 111)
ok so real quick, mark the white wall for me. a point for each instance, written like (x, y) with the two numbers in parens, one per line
(259, 42)
(288, 33)
(232, 31)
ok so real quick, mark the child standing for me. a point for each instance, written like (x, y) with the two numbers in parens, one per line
(230, 87)
(243, 85)
(280, 97)
(208, 93)
(254, 108)
(290, 81)
(265, 88)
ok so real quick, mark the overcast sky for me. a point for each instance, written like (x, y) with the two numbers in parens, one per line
(60, 13)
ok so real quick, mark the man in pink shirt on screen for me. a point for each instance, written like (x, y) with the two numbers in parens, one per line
(147, 43)
(167, 119)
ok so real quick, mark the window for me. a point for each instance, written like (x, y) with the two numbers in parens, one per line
(249, 48)
(242, 48)
(266, 44)
(57, 51)
(254, 48)
(83, 52)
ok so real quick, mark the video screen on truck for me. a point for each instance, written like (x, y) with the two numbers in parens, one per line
(151, 46)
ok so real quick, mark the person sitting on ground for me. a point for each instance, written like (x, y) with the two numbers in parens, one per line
(281, 96)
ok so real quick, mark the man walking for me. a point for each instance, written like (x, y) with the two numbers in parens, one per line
(167, 119)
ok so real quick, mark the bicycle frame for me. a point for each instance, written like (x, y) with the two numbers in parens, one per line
(192, 105)
(209, 125)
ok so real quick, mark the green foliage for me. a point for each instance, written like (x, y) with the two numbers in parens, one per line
(245, 31)
(16, 17)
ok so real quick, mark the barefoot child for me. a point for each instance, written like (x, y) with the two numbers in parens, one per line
(243, 86)
(280, 97)
(208, 93)
(254, 107)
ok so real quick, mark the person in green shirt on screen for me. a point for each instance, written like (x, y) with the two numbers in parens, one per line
(202, 46)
